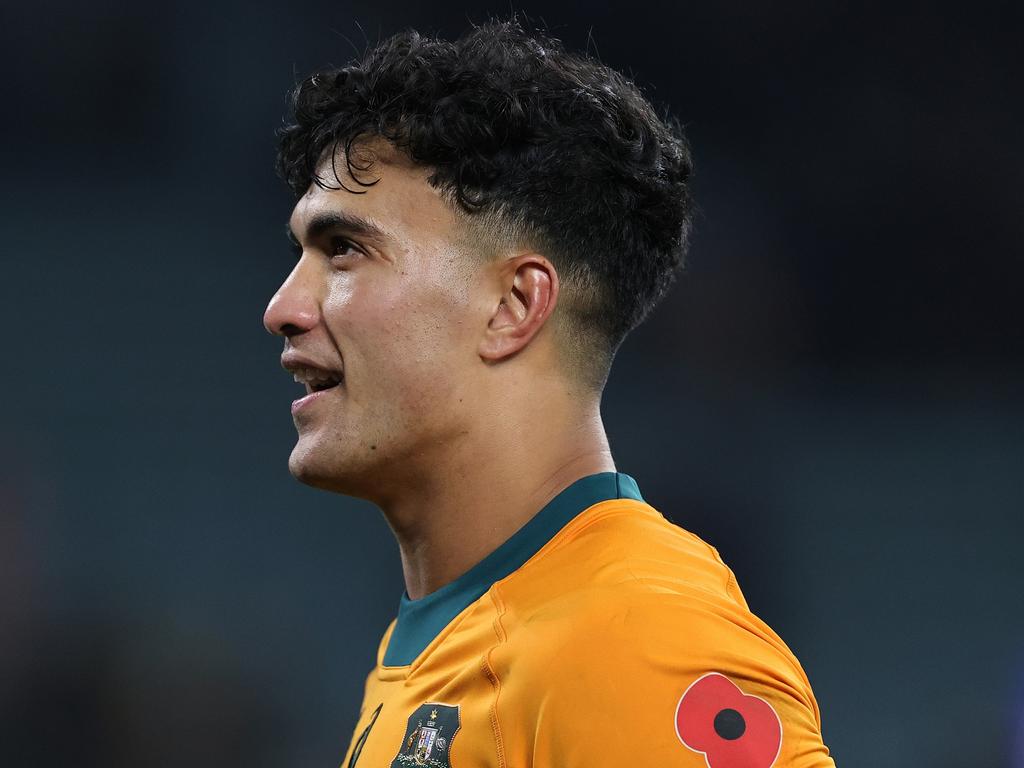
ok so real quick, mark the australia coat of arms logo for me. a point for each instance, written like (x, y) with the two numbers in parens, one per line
(428, 736)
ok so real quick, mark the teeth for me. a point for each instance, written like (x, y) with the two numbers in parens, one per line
(315, 376)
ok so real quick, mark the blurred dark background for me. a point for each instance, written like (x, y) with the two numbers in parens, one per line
(832, 394)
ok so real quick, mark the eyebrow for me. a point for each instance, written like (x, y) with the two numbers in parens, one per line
(327, 221)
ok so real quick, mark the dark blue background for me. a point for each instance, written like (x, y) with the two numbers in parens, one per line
(831, 395)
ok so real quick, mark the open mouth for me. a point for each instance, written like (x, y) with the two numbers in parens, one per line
(321, 386)
(317, 380)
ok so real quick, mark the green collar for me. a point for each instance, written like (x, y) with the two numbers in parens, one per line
(420, 621)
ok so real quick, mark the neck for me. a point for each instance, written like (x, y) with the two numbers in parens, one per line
(490, 484)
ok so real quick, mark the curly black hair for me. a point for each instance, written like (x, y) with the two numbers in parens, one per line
(535, 144)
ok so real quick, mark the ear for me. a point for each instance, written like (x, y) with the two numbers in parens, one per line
(529, 286)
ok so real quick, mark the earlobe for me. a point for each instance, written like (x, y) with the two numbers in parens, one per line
(531, 292)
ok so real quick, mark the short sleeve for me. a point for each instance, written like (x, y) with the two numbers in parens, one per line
(672, 680)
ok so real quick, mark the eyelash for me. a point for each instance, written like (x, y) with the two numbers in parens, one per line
(334, 243)
(344, 242)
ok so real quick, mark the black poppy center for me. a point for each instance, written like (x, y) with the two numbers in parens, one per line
(729, 724)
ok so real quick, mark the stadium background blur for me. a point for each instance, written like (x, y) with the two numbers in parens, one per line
(832, 394)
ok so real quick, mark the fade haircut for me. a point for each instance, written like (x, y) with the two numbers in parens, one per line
(531, 146)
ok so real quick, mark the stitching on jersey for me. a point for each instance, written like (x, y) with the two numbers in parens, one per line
(730, 578)
(418, 662)
(492, 676)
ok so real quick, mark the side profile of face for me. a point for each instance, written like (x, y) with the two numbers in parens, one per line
(381, 316)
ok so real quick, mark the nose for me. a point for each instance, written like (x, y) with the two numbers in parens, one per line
(294, 309)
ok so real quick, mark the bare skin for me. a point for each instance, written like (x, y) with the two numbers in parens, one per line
(454, 416)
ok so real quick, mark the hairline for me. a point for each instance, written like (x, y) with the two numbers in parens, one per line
(488, 235)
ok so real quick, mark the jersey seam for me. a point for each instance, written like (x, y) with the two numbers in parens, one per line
(423, 655)
(488, 669)
(730, 579)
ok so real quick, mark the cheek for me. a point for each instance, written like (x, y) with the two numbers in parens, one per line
(406, 339)
(433, 354)
(424, 356)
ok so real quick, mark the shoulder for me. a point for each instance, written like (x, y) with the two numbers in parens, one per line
(625, 583)
(617, 554)
(612, 635)
(646, 629)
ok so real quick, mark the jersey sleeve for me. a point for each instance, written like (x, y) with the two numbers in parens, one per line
(675, 681)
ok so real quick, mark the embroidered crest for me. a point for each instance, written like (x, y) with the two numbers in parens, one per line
(428, 736)
(732, 729)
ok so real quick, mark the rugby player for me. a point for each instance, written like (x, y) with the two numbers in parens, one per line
(478, 225)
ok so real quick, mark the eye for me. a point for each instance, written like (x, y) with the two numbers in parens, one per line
(342, 246)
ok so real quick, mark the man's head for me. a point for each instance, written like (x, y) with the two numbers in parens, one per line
(515, 211)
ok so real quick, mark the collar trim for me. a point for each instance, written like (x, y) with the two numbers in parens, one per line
(420, 621)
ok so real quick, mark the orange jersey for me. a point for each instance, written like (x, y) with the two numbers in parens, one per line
(600, 634)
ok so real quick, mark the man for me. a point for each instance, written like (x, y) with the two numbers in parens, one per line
(478, 225)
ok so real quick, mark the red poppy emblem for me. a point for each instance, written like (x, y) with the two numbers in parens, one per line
(729, 727)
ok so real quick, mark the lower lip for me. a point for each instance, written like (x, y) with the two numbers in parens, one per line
(304, 402)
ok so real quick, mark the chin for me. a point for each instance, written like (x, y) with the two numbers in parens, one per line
(310, 469)
(329, 473)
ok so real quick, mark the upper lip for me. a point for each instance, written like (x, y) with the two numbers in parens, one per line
(298, 364)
